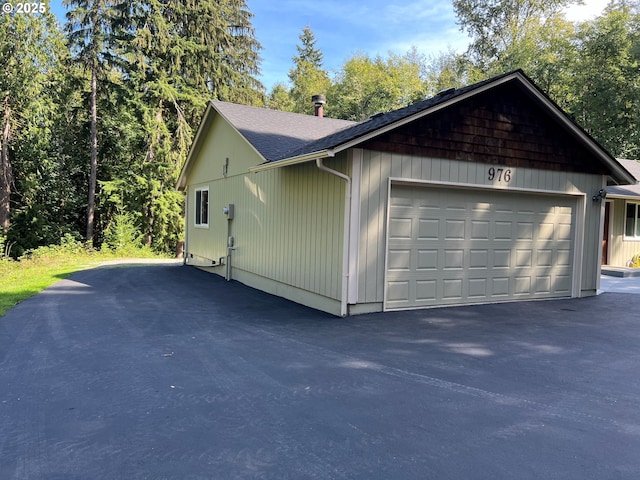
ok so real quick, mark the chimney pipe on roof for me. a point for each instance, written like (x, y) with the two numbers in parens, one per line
(319, 101)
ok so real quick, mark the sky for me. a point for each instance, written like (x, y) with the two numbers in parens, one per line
(343, 28)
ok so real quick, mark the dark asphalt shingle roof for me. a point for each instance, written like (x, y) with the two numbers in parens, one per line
(633, 167)
(279, 135)
(276, 134)
(380, 121)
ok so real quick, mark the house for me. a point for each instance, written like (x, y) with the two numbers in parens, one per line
(480, 194)
(621, 233)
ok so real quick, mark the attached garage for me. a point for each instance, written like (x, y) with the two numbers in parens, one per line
(464, 245)
(481, 194)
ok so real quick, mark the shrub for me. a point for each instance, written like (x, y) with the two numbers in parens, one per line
(122, 237)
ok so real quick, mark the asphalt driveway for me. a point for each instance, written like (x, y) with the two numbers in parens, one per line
(166, 372)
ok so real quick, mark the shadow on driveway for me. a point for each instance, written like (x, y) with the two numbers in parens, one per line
(164, 371)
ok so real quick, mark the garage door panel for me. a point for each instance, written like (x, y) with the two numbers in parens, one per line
(524, 258)
(400, 228)
(454, 230)
(543, 284)
(479, 229)
(501, 259)
(426, 290)
(477, 287)
(428, 228)
(427, 260)
(478, 258)
(503, 230)
(477, 246)
(399, 259)
(453, 259)
(545, 257)
(525, 231)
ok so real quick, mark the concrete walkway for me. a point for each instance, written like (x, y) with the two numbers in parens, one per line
(619, 284)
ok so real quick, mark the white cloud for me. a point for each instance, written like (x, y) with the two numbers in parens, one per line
(588, 11)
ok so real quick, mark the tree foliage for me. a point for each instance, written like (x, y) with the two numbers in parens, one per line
(307, 76)
(116, 97)
(367, 86)
(115, 111)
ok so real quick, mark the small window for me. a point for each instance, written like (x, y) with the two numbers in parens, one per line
(202, 207)
(632, 221)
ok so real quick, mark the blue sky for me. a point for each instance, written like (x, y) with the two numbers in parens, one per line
(345, 27)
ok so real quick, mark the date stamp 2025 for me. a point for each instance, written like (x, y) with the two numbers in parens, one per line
(24, 8)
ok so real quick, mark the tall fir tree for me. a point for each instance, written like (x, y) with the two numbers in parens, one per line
(307, 76)
(30, 50)
(91, 29)
(180, 55)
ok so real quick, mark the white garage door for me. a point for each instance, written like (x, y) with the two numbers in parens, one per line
(452, 246)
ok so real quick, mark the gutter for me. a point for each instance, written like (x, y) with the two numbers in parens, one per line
(347, 228)
(294, 161)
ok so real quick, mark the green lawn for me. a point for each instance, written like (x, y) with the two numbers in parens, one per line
(20, 280)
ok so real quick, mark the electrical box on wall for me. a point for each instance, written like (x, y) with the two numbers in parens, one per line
(228, 211)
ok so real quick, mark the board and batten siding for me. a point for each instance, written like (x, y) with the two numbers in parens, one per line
(621, 249)
(287, 227)
(378, 167)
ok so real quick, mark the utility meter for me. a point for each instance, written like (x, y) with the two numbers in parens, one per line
(228, 211)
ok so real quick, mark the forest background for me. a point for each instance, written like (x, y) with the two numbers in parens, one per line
(97, 115)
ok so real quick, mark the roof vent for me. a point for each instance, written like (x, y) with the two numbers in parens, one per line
(446, 91)
(319, 101)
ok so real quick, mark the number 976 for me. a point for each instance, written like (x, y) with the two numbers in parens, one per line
(499, 174)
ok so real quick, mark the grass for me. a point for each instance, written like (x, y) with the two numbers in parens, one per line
(21, 279)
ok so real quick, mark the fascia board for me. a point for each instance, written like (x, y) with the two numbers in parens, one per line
(197, 141)
(195, 146)
(619, 171)
(292, 161)
(423, 113)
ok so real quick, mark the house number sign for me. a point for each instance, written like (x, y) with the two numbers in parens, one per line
(502, 175)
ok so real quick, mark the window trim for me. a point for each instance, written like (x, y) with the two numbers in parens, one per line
(636, 226)
(197, 208)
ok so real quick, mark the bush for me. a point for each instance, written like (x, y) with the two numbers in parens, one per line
(68, 246)
(635, 261)
(122, 238)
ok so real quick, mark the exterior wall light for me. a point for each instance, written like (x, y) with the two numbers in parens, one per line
(601, 195)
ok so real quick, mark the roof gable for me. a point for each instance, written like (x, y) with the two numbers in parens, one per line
(272, 134)
(284, 138)
(503, 126)
(378, 125)
(275, 134)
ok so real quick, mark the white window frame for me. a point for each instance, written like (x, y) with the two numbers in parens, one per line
(636, 225)
(198, 218)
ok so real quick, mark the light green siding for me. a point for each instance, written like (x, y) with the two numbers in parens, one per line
(378, 167)
(287, 225)
(621, 249)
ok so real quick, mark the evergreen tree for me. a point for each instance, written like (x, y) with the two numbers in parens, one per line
(180, 55)
(30, 50)
(307, 76)
(91, 28)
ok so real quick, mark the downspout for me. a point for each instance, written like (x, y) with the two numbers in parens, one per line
(347, 229)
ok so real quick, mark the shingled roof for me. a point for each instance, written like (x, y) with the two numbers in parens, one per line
(284, 138)
(275, 134)
(632, 190)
